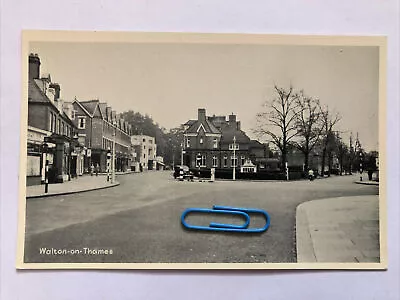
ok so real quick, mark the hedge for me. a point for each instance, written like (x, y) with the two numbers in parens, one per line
(261, 175)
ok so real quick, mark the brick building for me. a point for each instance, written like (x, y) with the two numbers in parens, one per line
(97, 124)
(48, 122)
(209, 143)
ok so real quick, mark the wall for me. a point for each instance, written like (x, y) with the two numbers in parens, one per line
(38, 116)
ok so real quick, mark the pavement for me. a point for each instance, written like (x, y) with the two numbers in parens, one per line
(367, 182)
(140, 220)
(343, 229)
(76, 185)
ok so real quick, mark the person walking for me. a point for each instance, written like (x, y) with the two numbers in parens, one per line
(97, 169)
(311, 174)
(91, 169)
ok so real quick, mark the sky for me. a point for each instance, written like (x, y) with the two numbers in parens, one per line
(171, 81)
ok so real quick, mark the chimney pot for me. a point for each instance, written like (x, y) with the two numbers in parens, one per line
(34, 66)
(232, 119)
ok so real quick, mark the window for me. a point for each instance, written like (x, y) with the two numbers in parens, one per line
(231, 146)
(215, 161)
(73, 114)
(58, 126)
(144, 155)
(81, 122)
(62, 128)
(201, 140)
(225, 161)
(233, 161)
(242, 159)
(54, 123)
(51, 122)
(144, 140)
(188, 143)
(203, 160)
(215, 143)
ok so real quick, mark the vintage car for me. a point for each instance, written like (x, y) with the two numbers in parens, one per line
(182, 173)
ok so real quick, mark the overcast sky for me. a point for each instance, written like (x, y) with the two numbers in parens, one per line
(170, 81)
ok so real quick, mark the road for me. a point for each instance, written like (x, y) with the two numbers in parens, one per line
(139, 220)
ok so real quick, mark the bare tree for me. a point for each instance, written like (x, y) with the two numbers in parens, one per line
(329, 120)
(278, 121)
(309, 126)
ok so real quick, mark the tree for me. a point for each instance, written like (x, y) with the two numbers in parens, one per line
(278, 121)
(144, 125)
(309, 127)
(343, 154)
(174, 139)
(329, 120)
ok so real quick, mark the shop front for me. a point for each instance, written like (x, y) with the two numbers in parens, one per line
(64, 157)
(35, 159)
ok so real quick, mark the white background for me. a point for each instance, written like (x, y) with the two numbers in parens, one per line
(356, 17)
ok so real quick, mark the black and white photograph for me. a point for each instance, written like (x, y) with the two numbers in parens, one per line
(202, 151)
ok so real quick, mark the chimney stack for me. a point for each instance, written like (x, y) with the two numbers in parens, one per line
(232, 120)
(34, 66)
(56, 88)
(201, 114)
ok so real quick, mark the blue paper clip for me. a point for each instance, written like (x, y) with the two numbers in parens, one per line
(244, 212)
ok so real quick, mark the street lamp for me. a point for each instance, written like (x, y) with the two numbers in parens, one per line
(113, 155)
(181, 154)
(234, 161)
(45, 149)
(72, 149)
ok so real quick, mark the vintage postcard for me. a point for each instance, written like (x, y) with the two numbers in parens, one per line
(202, 151)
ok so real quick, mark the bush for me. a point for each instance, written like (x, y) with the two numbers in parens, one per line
(260, 175)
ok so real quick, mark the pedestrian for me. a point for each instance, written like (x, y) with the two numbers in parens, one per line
(311, 174)
(97, 169)
(91, 169)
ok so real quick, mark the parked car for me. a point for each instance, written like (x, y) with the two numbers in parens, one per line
(184, 171)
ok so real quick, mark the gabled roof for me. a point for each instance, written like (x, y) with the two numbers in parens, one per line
(35, 94)
(228, 132)
(207, 126)
(190, 122)
(90, 106)
(257, 144)
(103, 107)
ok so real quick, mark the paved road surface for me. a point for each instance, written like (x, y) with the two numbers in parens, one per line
(140, 220)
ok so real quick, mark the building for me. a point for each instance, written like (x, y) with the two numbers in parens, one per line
(48, 123)
(99, 127)
(211, 141)
(144, 153)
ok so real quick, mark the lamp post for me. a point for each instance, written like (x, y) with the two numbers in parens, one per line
(361, 165)
(113, 159)
(113, 155)
(46, 169)
(108, 163)
(72, 149)
(234, 160)
(181, 154)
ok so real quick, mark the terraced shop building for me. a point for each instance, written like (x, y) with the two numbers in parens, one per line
(209, 143)
(49, 125)
(98, 127)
